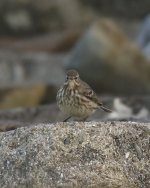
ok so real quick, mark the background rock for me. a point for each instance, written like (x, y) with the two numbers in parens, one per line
(40, 114)
(109, 62)
(30, 68)
(7, 125)
(28, 17)
(143, 38)
(28, 96)
(120, 8)
(76, 155)
(51, 42)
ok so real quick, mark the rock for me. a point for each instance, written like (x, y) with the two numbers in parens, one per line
(130, 27)
(146, 51)
(112, 154)
(27, 96)
(133, 108)
(143, 38)
(28, 17)
(39, 114)
(52, 42)
(30, 68)
(109, 62)
(120, 8)
(7, 125)
(19, 20)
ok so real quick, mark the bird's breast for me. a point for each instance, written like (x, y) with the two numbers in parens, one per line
(73, 103)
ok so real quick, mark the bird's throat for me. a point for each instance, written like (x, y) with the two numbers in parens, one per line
(72, 84)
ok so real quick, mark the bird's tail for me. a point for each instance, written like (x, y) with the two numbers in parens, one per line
(105, 109)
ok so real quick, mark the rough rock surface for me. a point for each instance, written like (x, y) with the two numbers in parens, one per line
(76, 154)
(109, 62)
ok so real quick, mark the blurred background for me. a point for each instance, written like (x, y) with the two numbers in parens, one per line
(107, 41)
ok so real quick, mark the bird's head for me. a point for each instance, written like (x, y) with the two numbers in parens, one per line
(72, 77)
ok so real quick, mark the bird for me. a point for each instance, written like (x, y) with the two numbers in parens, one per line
(77, 99)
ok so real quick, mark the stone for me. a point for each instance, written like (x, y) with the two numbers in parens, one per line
(19, 20)
(7, 125)
(143, 38)
(27, 96)
(109, 62)
(120, 8)
(130, 108)
(77, 154)
(11, 119)
(52, 42)
(29, 17)
(19, 68)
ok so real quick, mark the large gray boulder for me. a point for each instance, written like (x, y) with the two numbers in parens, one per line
(109, 62)
(111, 154)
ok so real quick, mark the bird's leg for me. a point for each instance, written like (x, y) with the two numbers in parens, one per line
(85, 118)
(67, 118)
(82, 119)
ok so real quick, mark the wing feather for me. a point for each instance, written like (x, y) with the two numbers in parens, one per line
(88, 92)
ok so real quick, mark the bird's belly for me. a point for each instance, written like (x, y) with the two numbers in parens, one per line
(75, 107)
(79, 111)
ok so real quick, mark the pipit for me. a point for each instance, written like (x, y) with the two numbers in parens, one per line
(76, 98)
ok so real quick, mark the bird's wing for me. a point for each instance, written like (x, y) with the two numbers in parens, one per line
(88, 92)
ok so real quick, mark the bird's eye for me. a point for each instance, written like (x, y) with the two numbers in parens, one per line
(76, 78)
(66, 77)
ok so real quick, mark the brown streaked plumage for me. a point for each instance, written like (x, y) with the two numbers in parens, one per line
(77, 99)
